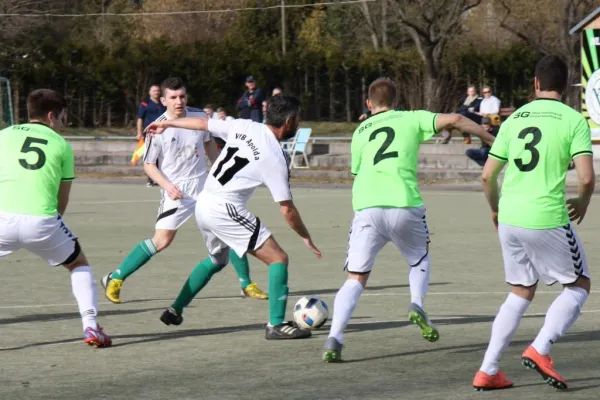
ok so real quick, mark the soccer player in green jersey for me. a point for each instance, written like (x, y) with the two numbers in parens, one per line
(387, 203)
(536, 144)
(36, 171)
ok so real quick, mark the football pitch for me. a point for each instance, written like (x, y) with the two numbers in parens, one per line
(219, 352)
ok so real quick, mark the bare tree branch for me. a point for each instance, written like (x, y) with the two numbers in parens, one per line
(503, 24)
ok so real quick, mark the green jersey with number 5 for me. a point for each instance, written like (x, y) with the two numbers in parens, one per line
(537, 142)
(34, 160)
(385, 158)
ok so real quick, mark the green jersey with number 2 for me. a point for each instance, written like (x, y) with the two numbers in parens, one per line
(385, 158)
(537, 142)
(34, 160)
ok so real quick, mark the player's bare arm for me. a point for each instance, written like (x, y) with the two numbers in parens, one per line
(198, 124)
(63, 196)
(157, 176)
(586, 176)
(489, 180)
(139, 129)
(463, 124)
(211, 150)
(292, 217)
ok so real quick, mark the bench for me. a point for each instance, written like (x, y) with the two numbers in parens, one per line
(506, 112)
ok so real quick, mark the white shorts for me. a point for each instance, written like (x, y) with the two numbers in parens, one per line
(373, 228)
(174, 213)
(553, 255)
(48, 237)
(225, 225)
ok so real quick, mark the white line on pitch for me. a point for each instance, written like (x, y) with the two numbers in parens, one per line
(17, 306)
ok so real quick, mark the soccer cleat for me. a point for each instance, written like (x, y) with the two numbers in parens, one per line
(112, 288)
(545, 366)
(254, 292)
(483, 381)
(333, 351)
(96, 337)
(171, 317)
(419, 317)
(286, 330)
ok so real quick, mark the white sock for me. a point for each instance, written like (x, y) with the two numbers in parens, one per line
(504, 327)
(343, 306)
(563, 313)
(84, 290)
(418, 278)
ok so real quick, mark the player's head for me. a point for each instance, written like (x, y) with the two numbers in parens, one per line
(154, 92)
(551, 75)
(48, 107)
(383, 94)
(471, 91)
(209, 109)
(174, 96)
(283, 116)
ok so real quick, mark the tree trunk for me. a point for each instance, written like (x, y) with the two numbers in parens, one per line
(16, 103)
(347, 89)
(317, 97)
(384, 24)
(109, 115)
(331, 97)
(363, 86)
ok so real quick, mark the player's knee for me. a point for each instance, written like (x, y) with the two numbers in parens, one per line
(78, 260)
(220, 259)
(360, 277)
(583, 282)
(525, 292)
(281, 257)
(162, 240)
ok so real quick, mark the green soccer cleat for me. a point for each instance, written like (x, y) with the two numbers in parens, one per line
(333, 351)
(419, 317)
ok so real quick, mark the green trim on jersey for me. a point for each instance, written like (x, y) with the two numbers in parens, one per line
(385, 158)
(34, 160)
(537, 142)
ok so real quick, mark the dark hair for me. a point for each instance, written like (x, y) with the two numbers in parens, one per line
(171, 84)
(552, 73)
(42, 101)
(209, 106)
(383, 92)
(280, 108)
(220, 109)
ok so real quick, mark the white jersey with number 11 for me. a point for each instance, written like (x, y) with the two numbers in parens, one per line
(252, 157)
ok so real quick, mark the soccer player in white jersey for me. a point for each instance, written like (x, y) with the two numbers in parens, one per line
(181, 176)
(251, 157)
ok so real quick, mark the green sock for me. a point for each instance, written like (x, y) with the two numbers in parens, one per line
(139, 256)
(242, 268)
(278, 291)
(197, 280)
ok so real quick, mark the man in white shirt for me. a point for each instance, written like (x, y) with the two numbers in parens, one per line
(182, 173)
(251, 157)
(490, 103)
(222, 115)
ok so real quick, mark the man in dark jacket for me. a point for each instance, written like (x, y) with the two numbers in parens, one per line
(250, 104)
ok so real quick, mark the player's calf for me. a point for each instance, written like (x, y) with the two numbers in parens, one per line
(84, 290)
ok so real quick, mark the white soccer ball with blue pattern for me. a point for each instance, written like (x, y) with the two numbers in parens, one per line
(311, 312)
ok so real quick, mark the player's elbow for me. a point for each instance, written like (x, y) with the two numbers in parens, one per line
(588, 181)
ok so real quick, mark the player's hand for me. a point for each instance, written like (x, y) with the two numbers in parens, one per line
(139, 136)
(156, 128)
(576, 209)
(495, 219)
(174, 192)
(311, 246)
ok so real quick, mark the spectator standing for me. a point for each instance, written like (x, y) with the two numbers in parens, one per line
(250, 104)
(149, 110)
(480, 155)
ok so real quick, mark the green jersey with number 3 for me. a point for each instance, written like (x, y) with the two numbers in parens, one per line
(385, 158)
(34, 160)
(537, 142)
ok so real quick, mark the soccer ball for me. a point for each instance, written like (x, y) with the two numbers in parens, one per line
(311, 313)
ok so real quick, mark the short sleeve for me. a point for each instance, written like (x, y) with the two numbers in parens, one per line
(426, 121)
(277, 178)
(499, 149)
(68, 163)
(153, 149)
(141, 111)
(220, 128)
(582, 140)
(356, 147)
